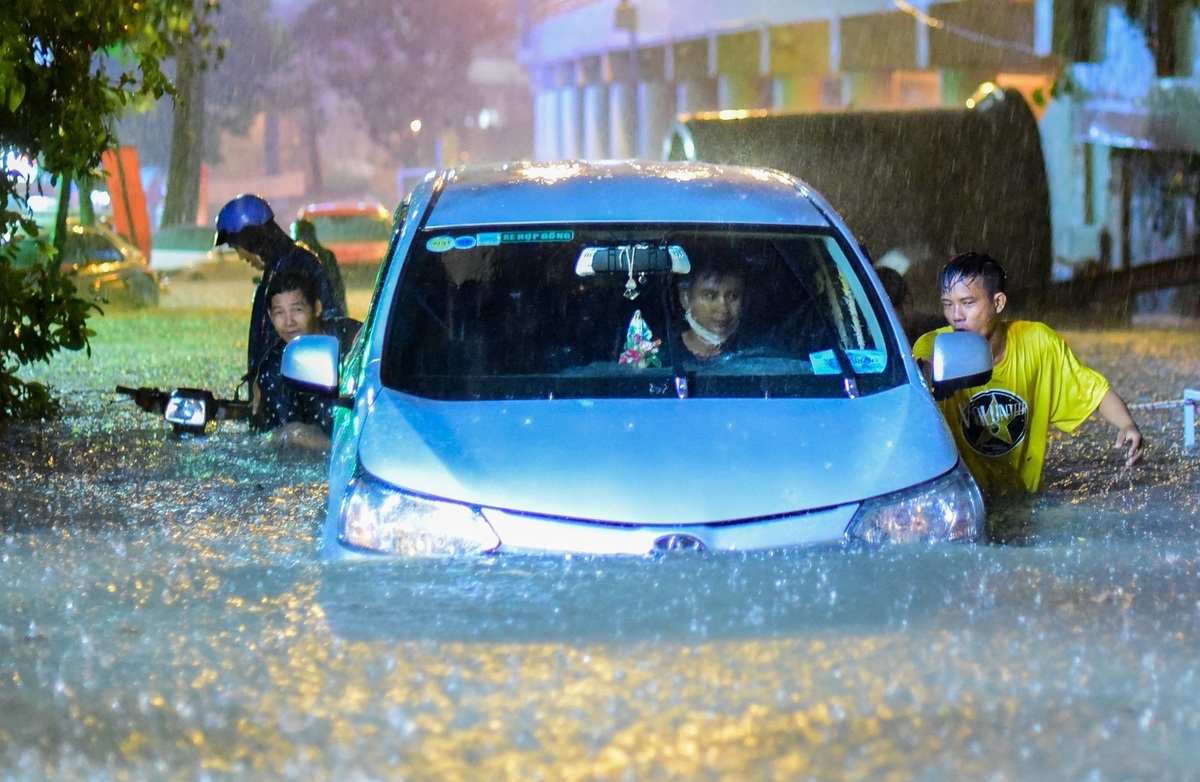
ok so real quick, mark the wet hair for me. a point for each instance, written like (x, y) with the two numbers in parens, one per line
(971, 265)
(713, 267)
(287, 282)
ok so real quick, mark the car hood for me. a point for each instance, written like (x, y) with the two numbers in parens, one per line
(662, 461)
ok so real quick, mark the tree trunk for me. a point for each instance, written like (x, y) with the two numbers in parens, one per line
(84, 186)
(65, 183)
(182, 202)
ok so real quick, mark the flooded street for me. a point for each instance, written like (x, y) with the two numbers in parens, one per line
(166, 616)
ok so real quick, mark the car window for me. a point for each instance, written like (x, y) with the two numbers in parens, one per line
(352, 228)
(100, 249)
(84, 248)
(491, 313)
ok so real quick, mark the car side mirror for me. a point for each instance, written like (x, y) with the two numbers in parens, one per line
(311, 362)
(961, 359)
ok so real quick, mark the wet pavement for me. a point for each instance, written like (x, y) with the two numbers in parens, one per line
(166, 617)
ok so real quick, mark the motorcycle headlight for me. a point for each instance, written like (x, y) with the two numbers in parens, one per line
(378, 517)
(949, 509)
(190, 407)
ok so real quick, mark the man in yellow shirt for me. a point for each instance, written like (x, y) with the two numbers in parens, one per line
(1002, 427)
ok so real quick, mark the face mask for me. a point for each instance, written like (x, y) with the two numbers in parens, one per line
(704, 334)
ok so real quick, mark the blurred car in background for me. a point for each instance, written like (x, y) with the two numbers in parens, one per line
(106, 268)
(356, 232)
(180, 247)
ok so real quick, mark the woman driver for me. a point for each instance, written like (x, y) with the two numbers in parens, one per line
(711, 297)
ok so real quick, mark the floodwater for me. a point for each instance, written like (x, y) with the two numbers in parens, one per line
(166, 616)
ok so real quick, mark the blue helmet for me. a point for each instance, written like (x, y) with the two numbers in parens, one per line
(242, 212)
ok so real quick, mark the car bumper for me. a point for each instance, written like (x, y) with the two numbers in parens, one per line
(525, 534)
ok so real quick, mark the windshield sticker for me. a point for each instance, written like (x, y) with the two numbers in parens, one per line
(824, 363)
(513, 237)
(464, 242)
(488, 239)
(439, 244)
(863, 362)
(867, 362)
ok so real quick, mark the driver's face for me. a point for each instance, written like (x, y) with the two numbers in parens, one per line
(250, 258)
(292, 315)
(716, 303)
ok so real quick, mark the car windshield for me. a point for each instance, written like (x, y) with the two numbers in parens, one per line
(352, 228)
(543, 312)
(84, 247)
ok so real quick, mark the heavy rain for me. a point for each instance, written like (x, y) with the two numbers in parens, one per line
(167, 615)
(167, 611)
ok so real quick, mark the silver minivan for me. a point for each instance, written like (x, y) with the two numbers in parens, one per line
(625, 357)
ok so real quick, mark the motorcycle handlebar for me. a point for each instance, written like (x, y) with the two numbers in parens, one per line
(155, 400)
(152, 400)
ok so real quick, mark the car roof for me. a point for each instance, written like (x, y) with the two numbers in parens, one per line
(344, 209)
(624, 192)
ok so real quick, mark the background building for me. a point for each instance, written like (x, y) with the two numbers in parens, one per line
(1115, 85)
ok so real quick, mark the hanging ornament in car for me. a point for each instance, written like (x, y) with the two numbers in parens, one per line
(631, 286)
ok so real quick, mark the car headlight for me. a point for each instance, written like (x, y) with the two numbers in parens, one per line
(949, 508)
(378, 517)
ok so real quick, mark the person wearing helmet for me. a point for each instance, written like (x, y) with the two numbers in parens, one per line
(247, 224)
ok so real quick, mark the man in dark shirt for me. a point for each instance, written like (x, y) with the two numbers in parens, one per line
(305, 233)
(294, 416)
(247, 224)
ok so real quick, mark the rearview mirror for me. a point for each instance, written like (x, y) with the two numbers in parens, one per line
(961, 359)
(632, 259)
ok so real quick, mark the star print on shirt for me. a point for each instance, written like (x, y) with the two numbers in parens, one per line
(993, 421)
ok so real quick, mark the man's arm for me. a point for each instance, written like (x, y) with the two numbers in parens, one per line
(301, 436)
(1115, 411)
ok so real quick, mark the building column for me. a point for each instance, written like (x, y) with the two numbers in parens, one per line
(570, 133)
(547, 125)
(656, 112)
(595, 121)
(623, 119)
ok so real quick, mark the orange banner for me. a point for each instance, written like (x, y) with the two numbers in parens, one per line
(131, 219)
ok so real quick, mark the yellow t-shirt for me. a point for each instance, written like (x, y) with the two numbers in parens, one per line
(1001, 428)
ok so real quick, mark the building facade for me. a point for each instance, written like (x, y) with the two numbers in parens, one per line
(1115, 85)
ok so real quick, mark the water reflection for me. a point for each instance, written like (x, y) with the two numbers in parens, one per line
(679, 599)
(166, 615)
